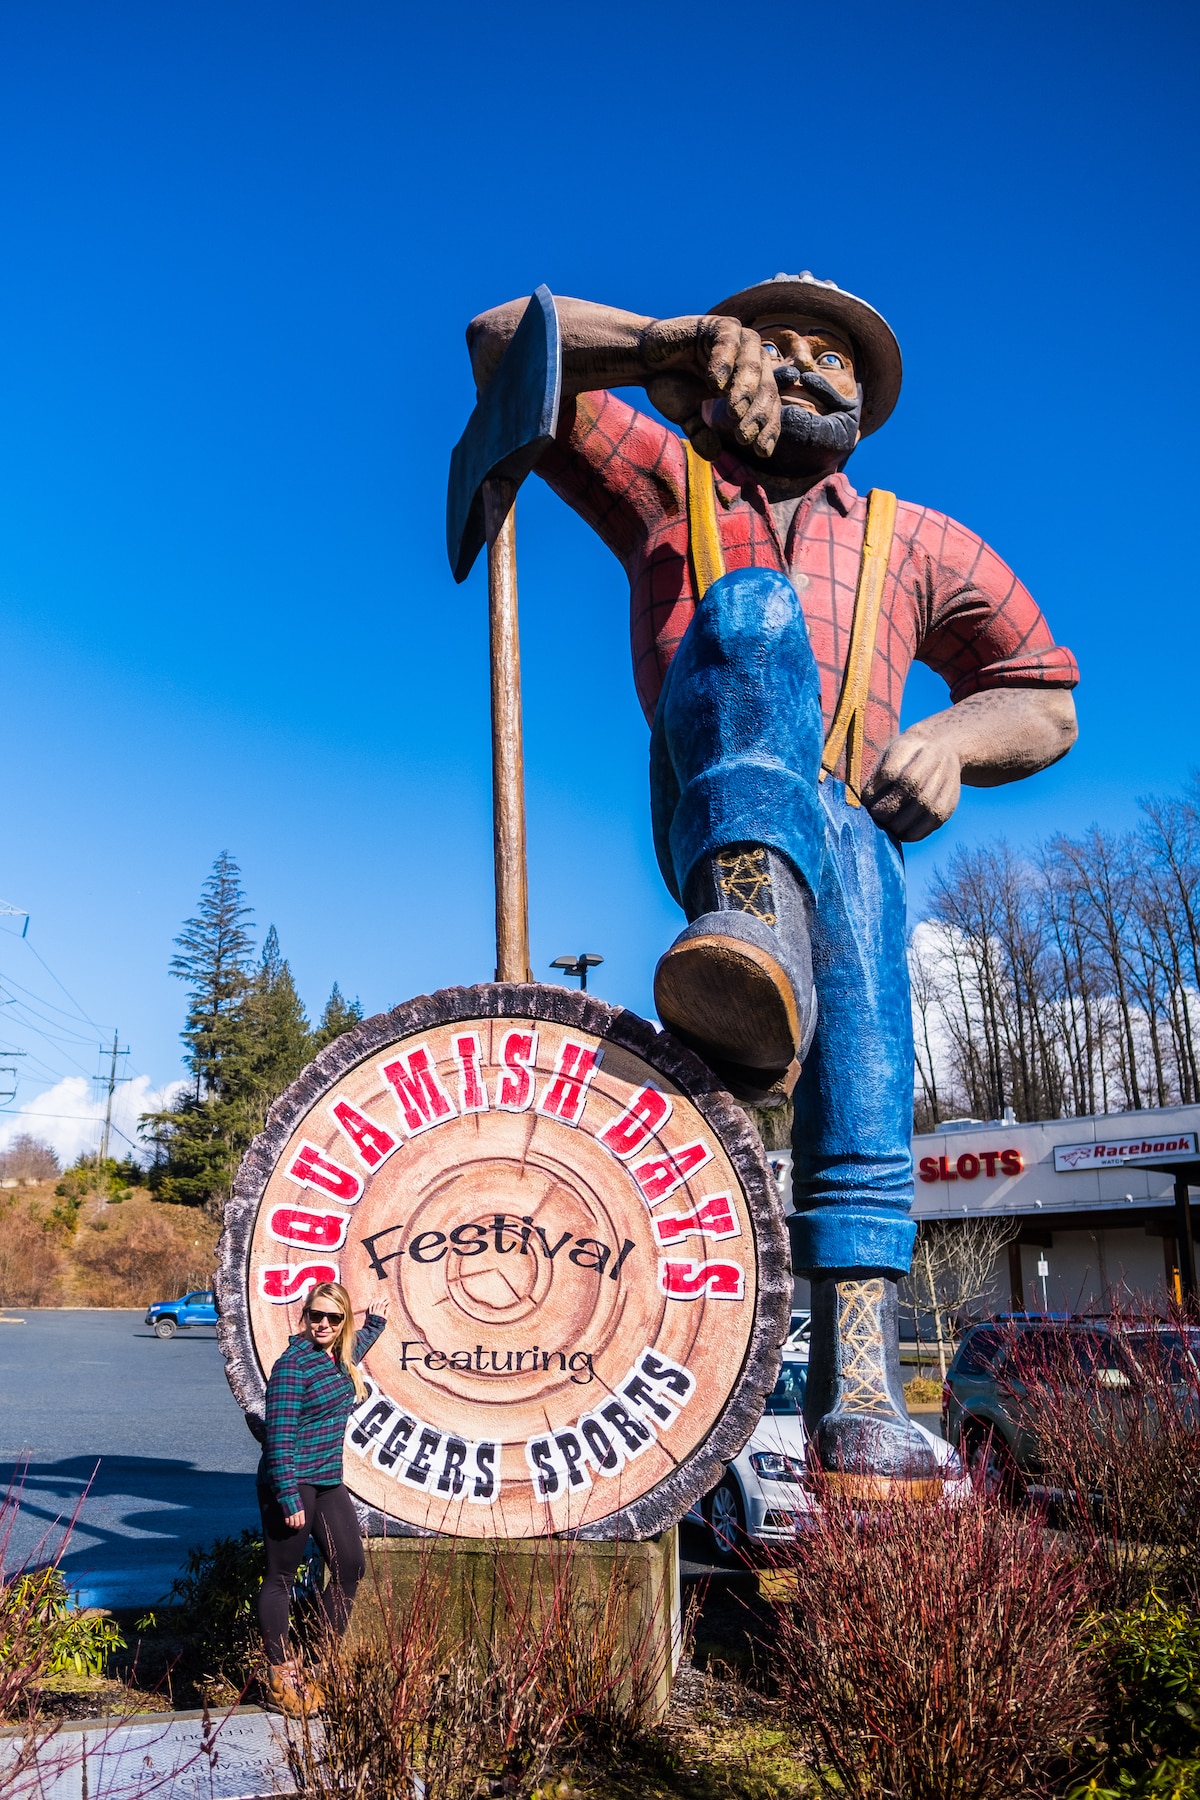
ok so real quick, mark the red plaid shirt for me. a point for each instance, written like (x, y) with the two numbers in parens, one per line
(949, 602)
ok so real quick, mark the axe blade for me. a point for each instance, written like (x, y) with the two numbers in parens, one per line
(514, 419)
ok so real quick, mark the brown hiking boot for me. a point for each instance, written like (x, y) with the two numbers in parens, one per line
(290, 1691)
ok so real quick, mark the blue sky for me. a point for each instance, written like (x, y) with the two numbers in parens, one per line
(241, 242)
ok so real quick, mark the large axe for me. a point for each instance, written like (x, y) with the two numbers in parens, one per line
(514, 420)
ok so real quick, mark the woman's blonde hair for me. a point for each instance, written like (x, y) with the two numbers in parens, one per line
(343, 1345)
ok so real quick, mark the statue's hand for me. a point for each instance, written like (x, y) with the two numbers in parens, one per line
(916, 785)
(691, 360)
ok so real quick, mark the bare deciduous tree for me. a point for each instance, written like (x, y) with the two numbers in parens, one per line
(1065, 983)
(953, 1268)
(28, 1159)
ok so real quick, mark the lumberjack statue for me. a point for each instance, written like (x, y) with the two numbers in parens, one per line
(775, 614)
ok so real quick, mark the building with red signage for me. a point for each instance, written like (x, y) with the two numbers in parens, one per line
(1101, 1203)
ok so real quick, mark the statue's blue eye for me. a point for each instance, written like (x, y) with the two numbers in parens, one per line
(830, 361)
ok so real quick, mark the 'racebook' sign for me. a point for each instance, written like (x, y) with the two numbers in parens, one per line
(1069, 1159)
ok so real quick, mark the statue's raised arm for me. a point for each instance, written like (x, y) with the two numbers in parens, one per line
(682, 363)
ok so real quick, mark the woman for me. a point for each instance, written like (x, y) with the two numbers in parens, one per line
(310, 1394)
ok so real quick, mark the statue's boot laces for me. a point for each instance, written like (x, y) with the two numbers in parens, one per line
(861, 1438)
(737, 983)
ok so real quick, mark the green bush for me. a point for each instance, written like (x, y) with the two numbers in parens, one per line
(1173, 1779)
(37, 1622)
(218, 1604)
(1151, 1660)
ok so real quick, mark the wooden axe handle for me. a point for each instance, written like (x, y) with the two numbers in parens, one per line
(508, 755)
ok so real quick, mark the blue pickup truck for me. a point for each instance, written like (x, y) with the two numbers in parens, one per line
(170, 1316)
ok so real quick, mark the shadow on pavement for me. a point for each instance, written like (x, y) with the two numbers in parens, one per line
(137, 1519)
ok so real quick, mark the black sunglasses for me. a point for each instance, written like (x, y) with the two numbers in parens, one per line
(329, 1318)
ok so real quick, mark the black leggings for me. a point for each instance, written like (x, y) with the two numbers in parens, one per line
(329, 1516)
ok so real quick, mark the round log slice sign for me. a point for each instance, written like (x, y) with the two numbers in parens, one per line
(582, 1245)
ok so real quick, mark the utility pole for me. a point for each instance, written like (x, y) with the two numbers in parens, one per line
(111, 1086)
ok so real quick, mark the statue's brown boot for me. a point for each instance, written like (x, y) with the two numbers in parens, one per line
(737, 983)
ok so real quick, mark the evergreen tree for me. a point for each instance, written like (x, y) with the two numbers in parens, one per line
(202, 1136)
(247, 1039)
(339, 1015)
(214, 958)
(282, 1042)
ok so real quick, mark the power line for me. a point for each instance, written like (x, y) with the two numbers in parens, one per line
(20, 1112)
(13, 982)
(70, 996)
(62, 1044)
(25, 1013)
(44, 1001)
(62, 1041)
(40, 1068)
(66, 990)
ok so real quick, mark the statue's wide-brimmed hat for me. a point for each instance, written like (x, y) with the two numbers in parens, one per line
(878, 363)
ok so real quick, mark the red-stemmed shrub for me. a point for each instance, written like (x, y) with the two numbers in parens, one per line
(932, 1651)
(1109, 1428)
(474, 1670)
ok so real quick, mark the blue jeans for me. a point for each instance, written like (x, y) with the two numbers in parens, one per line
(735, 758)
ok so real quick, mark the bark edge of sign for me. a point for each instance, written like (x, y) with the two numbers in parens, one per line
(671, 1498)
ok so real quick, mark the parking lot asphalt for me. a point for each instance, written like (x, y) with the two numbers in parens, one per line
(141, 1437)
(144, 1437)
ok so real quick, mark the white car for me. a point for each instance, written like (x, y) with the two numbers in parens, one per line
(799, 1334)
(762, 1498)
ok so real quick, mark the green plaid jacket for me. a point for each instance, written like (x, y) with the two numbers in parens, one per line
(309, 1399)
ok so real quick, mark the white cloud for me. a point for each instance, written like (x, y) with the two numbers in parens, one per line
(70, 1116)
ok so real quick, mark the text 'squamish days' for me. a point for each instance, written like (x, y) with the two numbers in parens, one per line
(424, 1102)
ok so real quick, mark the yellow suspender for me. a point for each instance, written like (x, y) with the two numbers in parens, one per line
(708, 565)
(704, 540)
(849, 721)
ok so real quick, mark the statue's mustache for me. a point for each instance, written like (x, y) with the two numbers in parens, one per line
(788, 376)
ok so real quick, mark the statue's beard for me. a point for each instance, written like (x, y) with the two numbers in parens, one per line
(810, 444)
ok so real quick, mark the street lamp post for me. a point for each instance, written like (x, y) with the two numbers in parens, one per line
(578, 965)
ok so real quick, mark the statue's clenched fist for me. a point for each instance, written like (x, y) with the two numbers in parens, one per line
(985, 740)
(710, 375)
(915, 786)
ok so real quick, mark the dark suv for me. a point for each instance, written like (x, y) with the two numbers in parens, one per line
(983, 1400)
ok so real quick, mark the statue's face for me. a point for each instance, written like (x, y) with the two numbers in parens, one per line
(820, 395)
(806, 344)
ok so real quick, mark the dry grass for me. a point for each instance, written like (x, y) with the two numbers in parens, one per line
(114, 1253)
(32, 1264)
(721, 1741)
(129, 1253)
